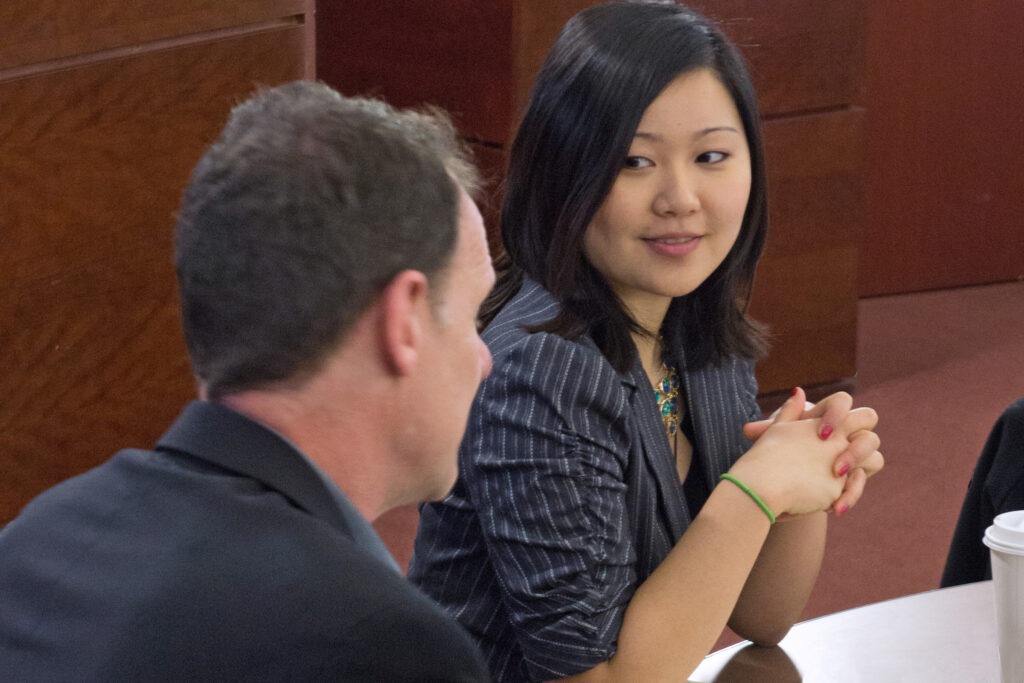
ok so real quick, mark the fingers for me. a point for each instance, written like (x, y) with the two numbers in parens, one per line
(860, 419)
(859, 460)
(852, 492)
(753, 430)
(832, 410)
(863, 443)
(873, 463)
(788, 411)
(856, 481)
(793, 408)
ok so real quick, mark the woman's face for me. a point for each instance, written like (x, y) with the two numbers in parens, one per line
(677, 205)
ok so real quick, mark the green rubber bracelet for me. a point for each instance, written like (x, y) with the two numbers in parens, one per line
(753, 496)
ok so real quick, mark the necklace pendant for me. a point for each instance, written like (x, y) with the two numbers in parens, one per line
(666, 394)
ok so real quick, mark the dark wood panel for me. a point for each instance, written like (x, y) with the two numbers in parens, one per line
(806, 283)
(479, 59)
(456, 54)
(36, 31)
(803, 56)
(944, 146)
(94, 161)
(537, 24)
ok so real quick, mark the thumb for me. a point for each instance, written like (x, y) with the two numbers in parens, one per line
(753, 430)
(793, 408)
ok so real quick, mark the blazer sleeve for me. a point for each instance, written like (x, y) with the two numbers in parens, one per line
(544, 466)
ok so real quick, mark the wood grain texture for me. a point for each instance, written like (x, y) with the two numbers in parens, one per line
(36, 31)
(806, 283)
(455, 54)
(537, 24)
(804, 56)
(944, 147)
(94, 159)
(479, 59)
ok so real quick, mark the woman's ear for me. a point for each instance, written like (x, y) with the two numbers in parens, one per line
(404, 306)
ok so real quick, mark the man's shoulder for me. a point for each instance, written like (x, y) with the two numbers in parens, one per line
(200, 558)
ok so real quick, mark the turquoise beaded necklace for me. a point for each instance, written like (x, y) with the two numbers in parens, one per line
(666, 393)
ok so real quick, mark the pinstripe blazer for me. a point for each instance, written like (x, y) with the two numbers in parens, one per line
(568, 495)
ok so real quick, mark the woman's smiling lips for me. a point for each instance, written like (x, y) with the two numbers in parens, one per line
(673, 244)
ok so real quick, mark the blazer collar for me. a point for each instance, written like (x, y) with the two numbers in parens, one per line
(532, 305)
(656, 451)
(233, 442)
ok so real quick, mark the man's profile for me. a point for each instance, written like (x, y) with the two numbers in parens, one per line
(330, 265)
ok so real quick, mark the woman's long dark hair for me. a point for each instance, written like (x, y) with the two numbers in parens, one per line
(606, 67)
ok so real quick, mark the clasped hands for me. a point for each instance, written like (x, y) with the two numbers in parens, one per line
(860, 460)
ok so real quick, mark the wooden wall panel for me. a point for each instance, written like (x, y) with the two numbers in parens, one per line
(478, 59)
(454, 54)
(804, 55)
(945, 142)
(806, 283)
(537, 24)
(36, 31)
(95, 152)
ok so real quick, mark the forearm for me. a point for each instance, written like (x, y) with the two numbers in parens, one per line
(781, 580)
(675, 617)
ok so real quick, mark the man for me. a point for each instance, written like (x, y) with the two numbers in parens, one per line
(330, 266)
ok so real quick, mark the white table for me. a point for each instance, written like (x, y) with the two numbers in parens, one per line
(947, 634)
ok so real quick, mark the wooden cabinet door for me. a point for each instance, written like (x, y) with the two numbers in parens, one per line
(943, 174)
(106, 107)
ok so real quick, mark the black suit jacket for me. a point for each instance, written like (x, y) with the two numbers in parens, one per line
(996, 486)
(220, 556)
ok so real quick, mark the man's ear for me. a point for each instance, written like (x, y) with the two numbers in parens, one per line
(404, 308)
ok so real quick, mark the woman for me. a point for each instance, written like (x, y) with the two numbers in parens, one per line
(589, 533)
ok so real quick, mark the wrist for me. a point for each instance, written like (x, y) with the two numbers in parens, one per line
(751, 494)
(764, 482)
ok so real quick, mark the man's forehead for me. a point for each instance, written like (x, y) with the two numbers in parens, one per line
(471, 222)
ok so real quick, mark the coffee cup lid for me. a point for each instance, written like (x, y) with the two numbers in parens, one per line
(1007, 533)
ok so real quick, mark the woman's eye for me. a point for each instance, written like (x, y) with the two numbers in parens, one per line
(638, 162)
(712, 157)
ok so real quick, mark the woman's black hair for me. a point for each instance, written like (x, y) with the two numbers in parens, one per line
(606, 67)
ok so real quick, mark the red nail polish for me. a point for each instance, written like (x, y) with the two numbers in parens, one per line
(826, 432)
(843, 508)
(793, 393)
(844, 469)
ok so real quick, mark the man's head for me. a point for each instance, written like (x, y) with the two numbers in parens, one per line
(297, 218)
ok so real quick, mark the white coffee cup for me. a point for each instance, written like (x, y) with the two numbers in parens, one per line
(1005, 539)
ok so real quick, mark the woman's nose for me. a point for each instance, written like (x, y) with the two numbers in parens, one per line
(677, 196)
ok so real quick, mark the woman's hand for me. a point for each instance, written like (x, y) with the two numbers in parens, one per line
(790, 466)
(860, 460)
